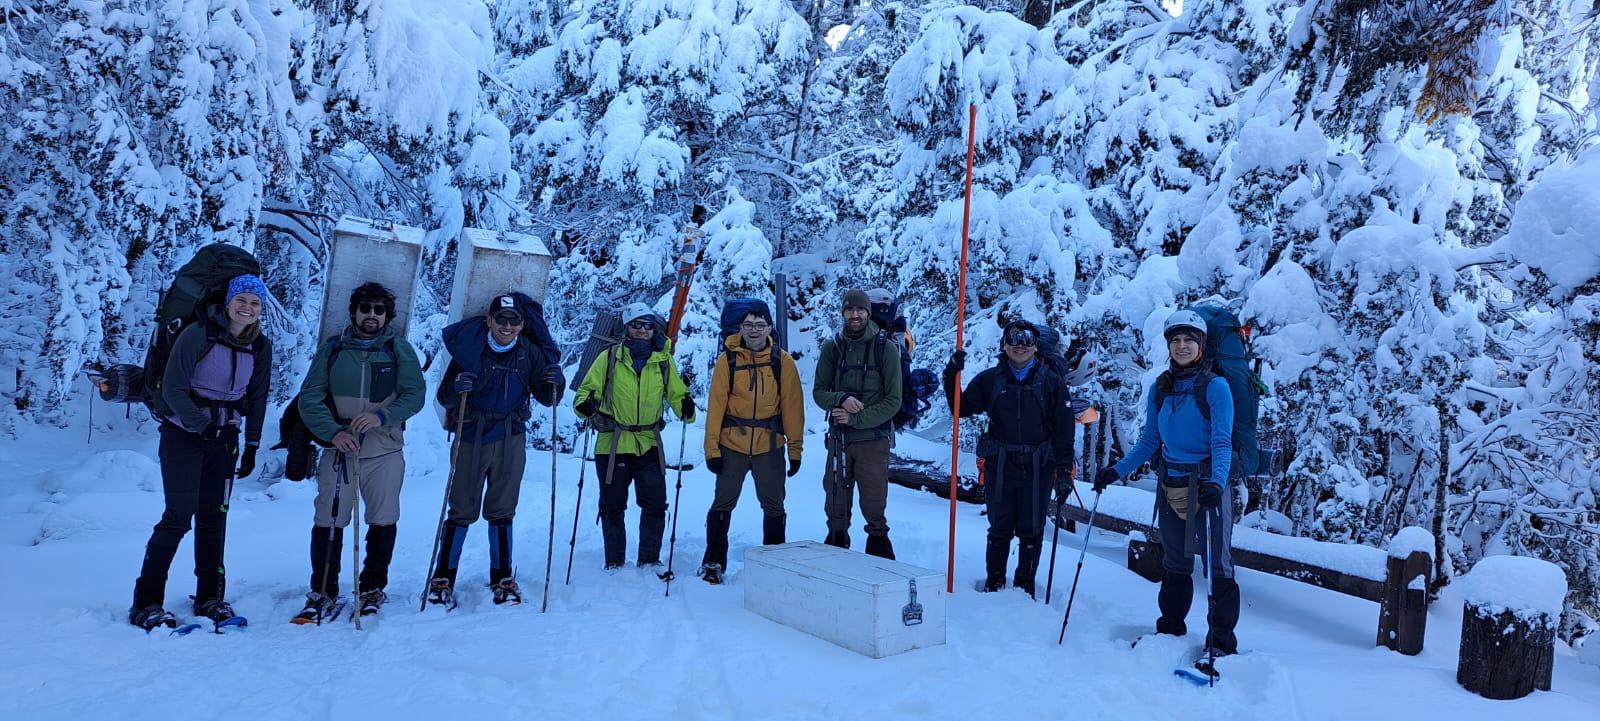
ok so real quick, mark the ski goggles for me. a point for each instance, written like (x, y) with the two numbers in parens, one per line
(641, 325)
(1020, 337)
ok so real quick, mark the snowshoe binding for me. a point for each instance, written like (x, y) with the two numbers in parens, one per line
(320, 608)
(712, 573)
(441, 592)
(220, 613)
(151, 617)
(1204, 671)
(507, 593)
(372, 601)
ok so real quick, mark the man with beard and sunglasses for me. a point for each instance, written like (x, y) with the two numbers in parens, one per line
(1028, 445)
(497, 363)
(361, 388)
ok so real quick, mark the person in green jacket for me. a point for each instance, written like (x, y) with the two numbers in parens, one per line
(361, 388)
(858, 384)
(623, 396)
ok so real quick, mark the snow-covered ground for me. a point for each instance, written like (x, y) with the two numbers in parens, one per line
(74, 518)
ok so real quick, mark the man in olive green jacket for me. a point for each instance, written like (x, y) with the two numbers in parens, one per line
(623, 396)
(858, 384)
(361, 388)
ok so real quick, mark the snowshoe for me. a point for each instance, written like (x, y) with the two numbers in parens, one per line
(320, 608)
(1204, 671)
(215, 609)
(150, 617)
(506, 592)
(371, 601)
(441, 592)
(712, 573)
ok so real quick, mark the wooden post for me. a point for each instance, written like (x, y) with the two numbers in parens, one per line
(780, 309)
(1403, 607)
(1505, 655)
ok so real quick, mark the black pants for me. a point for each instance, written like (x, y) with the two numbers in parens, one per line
(196, 477)
(645, 472)
(1017, 498)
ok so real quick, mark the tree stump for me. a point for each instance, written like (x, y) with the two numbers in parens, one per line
(1505, 655)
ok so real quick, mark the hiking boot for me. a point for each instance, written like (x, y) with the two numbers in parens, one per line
(506, 591)
(149, 617)
(371, 601)
(838, 539)
(319, 607)
(616, 566)
(215, 609)
(712, 573)
(652, 565)
(442, 592)
(994, 582)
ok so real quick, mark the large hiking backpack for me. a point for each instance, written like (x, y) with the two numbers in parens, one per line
(915, 387)
(201, 282)
(1229, 355)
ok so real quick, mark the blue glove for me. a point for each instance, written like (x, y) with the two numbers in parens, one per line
(463, 384)
(1210, 495)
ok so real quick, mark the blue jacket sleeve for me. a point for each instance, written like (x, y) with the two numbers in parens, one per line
(1221, 400)
(1149, 438)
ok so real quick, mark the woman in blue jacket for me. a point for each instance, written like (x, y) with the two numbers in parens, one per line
(1193, 505)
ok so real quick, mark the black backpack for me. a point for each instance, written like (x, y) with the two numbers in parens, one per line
(201, 282)
(916, 387)
(296, 437)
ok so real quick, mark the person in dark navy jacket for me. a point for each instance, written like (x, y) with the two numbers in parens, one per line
(1028, 445)
(496, 367)
(1194, 463)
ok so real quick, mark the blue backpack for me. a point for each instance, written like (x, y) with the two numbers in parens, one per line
(1230, 358)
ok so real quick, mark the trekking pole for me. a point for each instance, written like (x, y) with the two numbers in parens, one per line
(961, 313)
(355, 533)
(583, 467)
(550, 548)
(333, 527)
(1074, 592)
(672, 544)
(1055, 537)
(438, 534)
(1214, 518)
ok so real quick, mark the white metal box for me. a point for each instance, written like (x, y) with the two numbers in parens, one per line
(366, 251)
(870, 605)
(489, 263)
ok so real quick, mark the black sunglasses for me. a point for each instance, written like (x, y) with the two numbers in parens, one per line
(1019, 337)
(641, 325)
(372, 309)
(507, 320)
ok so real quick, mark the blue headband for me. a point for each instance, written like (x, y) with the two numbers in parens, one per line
(247, 284)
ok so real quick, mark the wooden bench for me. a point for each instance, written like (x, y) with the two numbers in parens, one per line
(1396, 579)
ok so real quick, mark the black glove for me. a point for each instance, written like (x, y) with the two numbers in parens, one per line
(686, 409)
(1105, 477)
(714, 465)
(588, 407)
(1063, 481)
(794, 467)
(463, 384)
(958, 362)
(247, 460)
(225, 433)
(602, 423)
(558, 384)
(1210, 495)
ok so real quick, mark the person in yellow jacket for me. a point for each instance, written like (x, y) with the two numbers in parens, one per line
(623, 396)
(755, 416)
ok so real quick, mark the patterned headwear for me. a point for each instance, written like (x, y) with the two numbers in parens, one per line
(247, 284)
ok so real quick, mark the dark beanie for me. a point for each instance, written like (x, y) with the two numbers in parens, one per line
(858, 298)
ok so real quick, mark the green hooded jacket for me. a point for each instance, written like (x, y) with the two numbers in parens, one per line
(365, 377)
(852, 367)
(635, 398)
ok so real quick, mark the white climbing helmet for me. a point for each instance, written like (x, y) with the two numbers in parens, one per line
(1185, 320)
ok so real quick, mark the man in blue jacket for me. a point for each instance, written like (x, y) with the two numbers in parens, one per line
(497, 363)
(1193, 505)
